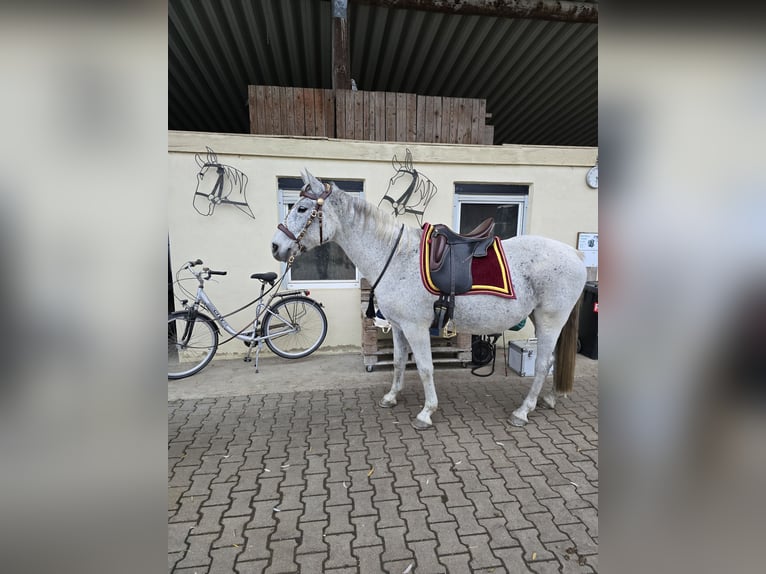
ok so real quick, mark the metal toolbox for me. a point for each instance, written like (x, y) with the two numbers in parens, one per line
(522, 355)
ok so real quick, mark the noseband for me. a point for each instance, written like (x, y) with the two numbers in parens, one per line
(315, 213)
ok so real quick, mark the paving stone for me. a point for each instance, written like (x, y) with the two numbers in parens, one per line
(410, 499)
(393, 544)
(456, 562)
(189, 509)
(547, 530)
(483, 505)
(437, 510)
(454, 495)
(256, 545)
(530, 542)
(497, 530)
(398, 566)
(313, 537)
(481, 555)
(362, 503)
(311, 562)
(559, 511)
(529, 503)
(426, 559)
(339, 519)
(498, 491)
(287, 525)
(268, 488)
(282, 557)
(315, 485)
(224, 559)
(383, 489)
(340, 551)
(263, 514)
(417, 528)
(512, 559)
(428, 486)
(368, 558)
(514, 518)
(366, 531)
(545, 567)
(589, 517)
(173, 558)
(466, 519)
(541, 488)
(211, 520)
(177, 533)
(388, 511)
(578, 534)
(241, 503)
(198, 551)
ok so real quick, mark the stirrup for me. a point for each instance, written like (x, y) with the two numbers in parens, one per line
(449, 329)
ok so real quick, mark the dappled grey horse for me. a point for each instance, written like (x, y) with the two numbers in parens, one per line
(548, 279)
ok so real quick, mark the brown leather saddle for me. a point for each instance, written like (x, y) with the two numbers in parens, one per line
(449, 265)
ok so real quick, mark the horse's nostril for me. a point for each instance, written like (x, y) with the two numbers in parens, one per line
(274, 248)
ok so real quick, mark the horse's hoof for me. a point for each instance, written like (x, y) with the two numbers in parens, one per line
(386, 404)
(517, 421)
(417, 424)
(550, 401)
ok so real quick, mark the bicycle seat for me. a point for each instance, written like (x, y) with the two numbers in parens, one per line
(266, 277)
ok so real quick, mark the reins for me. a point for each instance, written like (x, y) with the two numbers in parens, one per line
(370, 313)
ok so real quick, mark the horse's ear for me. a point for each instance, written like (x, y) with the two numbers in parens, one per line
(316, 185)
(305, 177)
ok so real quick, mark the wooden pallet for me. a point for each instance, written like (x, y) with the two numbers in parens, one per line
(378, 348)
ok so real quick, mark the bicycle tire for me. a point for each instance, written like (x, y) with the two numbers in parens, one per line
(185, 360)
(288, 314)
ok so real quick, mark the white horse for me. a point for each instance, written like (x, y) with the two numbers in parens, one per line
(548, 278)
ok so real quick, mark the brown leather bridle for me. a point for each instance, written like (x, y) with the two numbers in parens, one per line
(315, 213)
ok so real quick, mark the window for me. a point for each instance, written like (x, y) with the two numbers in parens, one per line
(507, 203)
(326, 265)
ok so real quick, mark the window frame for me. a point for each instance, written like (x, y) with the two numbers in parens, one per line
(287, 195)
(494, 195)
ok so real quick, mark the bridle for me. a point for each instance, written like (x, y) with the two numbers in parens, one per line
(316, 213)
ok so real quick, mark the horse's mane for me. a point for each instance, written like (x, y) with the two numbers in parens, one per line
(377, 222)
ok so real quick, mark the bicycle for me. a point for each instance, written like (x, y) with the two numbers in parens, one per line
(290, 323)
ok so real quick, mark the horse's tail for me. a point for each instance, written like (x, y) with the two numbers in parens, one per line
(566, 349)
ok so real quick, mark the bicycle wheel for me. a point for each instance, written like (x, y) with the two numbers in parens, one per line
(191, 344)
(295, 327)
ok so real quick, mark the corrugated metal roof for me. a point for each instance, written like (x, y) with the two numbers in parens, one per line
(540, 78)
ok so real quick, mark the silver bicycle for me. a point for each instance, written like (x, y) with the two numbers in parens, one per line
(290, 323)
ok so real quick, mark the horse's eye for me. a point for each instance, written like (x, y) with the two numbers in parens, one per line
(302, 209)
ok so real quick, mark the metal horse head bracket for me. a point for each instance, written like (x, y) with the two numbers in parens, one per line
(418, 194)
(228, 178)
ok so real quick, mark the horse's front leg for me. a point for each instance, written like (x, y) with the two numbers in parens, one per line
(420, 343)
(401, 350)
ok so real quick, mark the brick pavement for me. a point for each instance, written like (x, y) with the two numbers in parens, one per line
(327, 481)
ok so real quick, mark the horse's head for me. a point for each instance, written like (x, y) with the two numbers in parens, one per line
(308, 224)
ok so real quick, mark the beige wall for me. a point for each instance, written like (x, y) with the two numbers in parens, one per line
(560, 203)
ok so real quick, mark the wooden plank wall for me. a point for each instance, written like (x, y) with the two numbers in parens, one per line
(372, 116)
(276, 110)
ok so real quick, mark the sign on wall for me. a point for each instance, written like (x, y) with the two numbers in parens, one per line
(588, 244)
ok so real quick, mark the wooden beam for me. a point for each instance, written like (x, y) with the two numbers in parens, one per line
(341, 59)
(562, 11)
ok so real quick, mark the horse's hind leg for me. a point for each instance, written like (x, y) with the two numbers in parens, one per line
(547, 328)
(401, 350)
